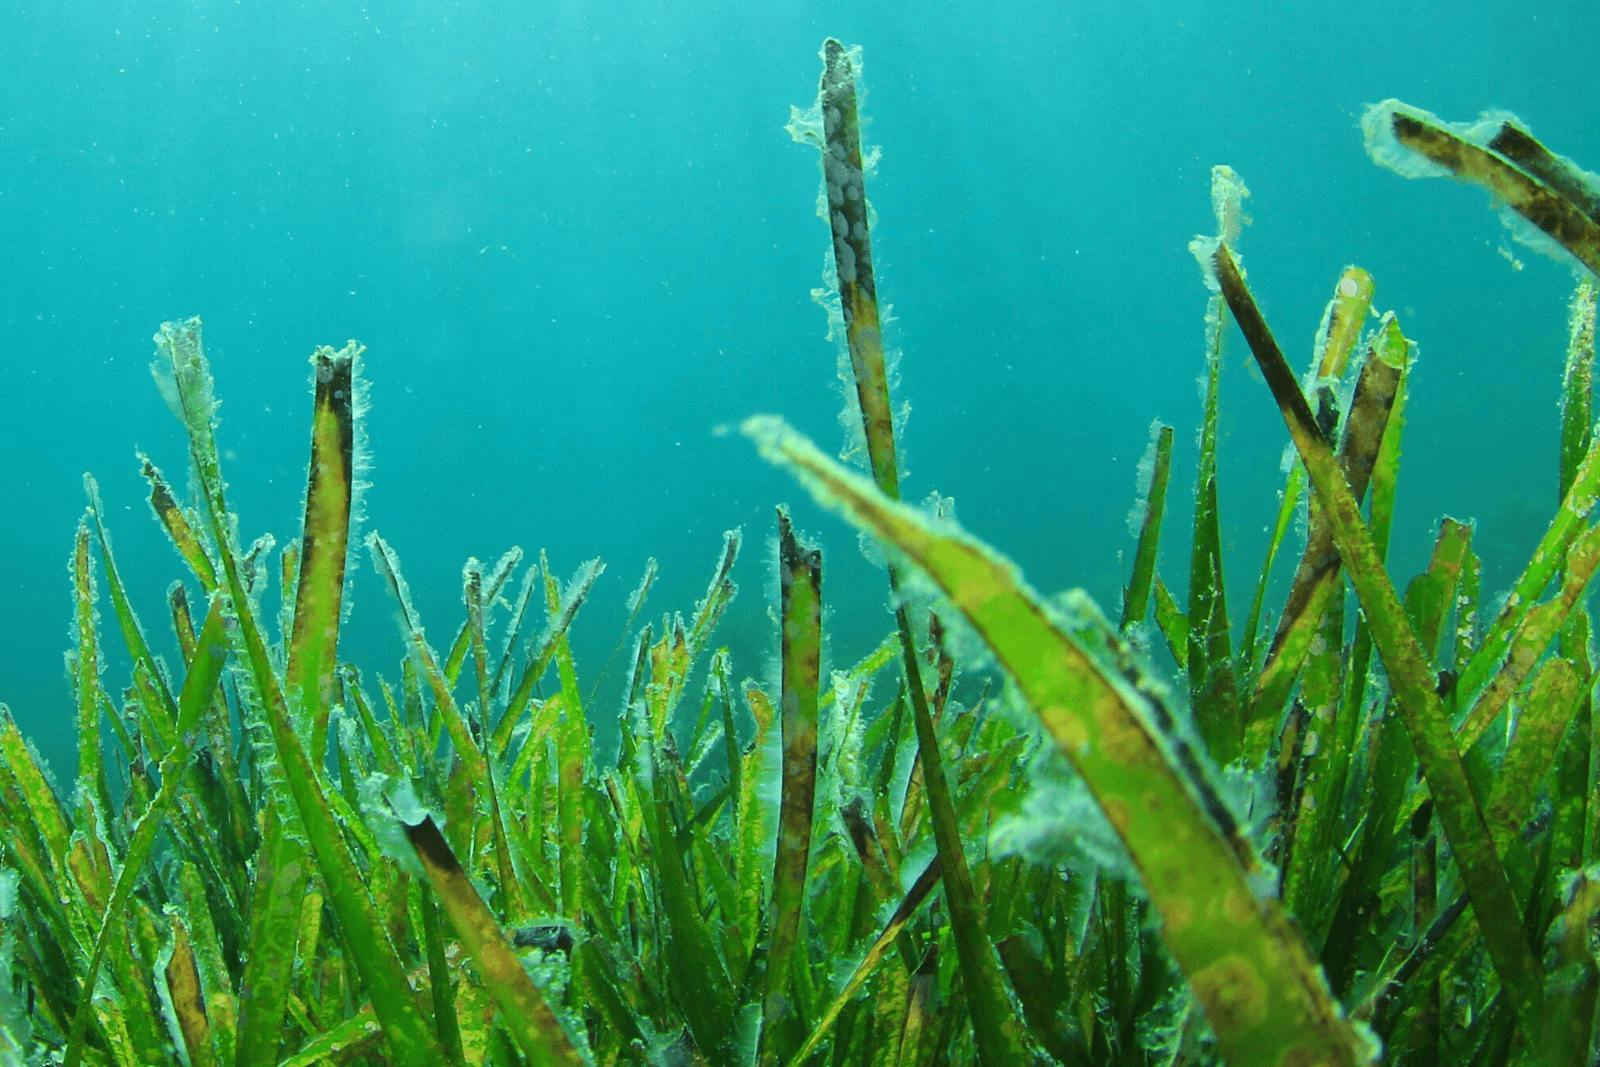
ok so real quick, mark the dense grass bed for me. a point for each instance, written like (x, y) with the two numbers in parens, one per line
(1360, 821)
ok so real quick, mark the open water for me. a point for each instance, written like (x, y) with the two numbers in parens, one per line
(576, 240)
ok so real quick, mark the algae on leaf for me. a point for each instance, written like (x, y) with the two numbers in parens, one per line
(1499, 154)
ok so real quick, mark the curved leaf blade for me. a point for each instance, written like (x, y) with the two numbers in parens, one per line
(1250, 970)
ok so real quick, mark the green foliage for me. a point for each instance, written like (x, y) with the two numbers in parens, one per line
(268, 858)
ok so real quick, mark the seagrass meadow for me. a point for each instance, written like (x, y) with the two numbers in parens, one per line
(1354, 821)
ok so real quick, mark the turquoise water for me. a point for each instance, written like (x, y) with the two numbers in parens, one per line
(576, 240)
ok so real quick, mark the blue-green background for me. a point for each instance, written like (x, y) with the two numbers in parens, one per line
(576, 239)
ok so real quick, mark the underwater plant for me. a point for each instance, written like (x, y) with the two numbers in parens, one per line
(1368, 830)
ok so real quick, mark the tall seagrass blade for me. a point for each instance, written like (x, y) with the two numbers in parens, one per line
(312, 655)
(844, 204)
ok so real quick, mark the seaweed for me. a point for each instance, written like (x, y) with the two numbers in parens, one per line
(1235, 843)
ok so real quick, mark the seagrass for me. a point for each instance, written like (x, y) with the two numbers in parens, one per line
(1002, 830)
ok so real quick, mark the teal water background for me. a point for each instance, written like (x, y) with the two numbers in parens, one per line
(576, 239)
